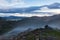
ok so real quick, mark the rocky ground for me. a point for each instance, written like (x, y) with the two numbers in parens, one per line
(46, 33)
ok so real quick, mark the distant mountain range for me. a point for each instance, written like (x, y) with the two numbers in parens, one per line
(30, 9)
(31, 23)
(53, 21)
(13, 18)
(36, 21)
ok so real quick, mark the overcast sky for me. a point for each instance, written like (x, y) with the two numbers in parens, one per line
(25, 3)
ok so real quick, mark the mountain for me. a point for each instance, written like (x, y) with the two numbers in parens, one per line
(13, 18)
(55, 21)
(14, 27)
(30, 23)
(40, 21)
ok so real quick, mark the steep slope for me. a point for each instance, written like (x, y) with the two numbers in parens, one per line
(55, 21)
(26, 24)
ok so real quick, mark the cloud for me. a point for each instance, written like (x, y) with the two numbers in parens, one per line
(46, 9)
(12, 3)
(3, 14)
(23, 15)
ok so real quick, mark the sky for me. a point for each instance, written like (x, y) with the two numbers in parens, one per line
(6, 4)
(46, 9)
(25, 3)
